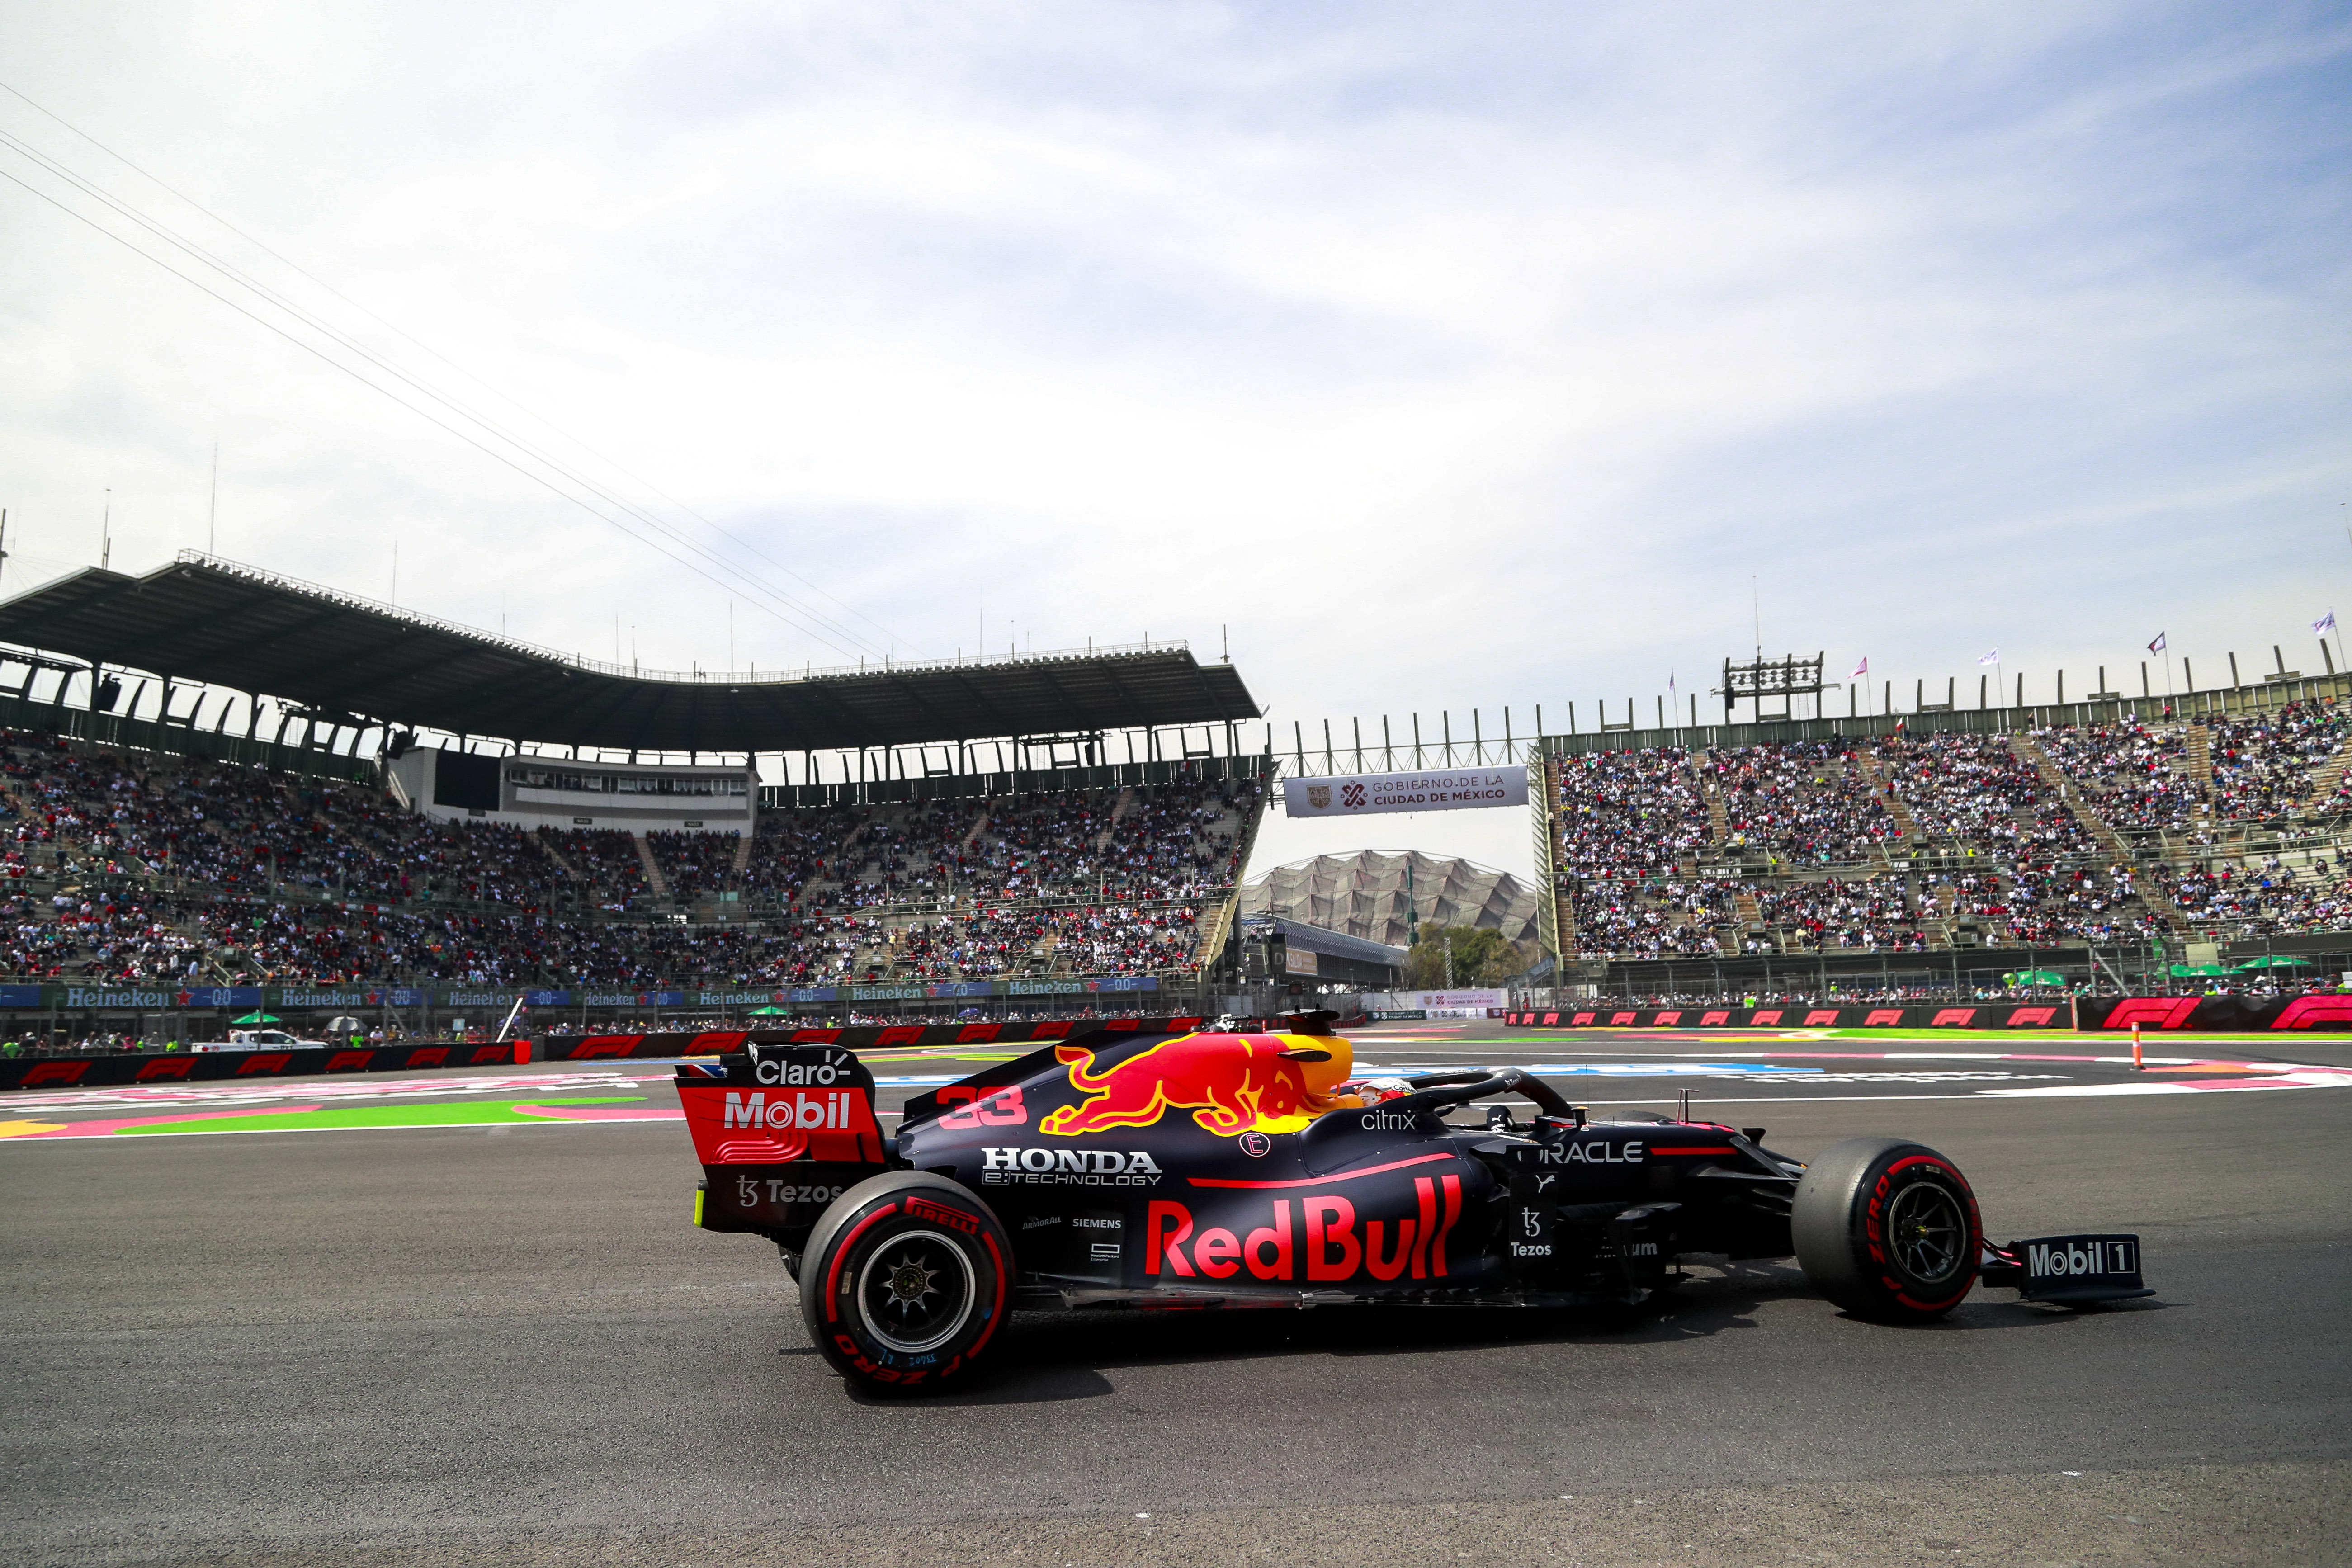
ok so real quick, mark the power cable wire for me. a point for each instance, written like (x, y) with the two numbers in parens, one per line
(283, 303)
(423, 413)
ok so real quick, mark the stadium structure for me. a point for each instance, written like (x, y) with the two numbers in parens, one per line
(2147, 842)
(228, 793)
(1386, 897)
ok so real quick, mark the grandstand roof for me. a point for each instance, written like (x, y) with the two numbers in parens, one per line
(1363, 894)
(202, 618)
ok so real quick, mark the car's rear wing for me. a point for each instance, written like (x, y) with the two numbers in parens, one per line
(780, 1130)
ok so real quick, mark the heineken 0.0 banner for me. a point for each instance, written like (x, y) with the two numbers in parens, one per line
(1443, 789)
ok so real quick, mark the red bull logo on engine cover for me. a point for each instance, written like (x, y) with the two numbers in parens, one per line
(1231, 1084)
(1317, 1238)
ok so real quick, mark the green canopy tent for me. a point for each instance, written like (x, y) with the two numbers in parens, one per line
(2194, 971)
(251, 1018)
(2273, 961)
(2034, 978)
(771, 1011)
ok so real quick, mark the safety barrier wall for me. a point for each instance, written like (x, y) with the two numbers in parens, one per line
(855, 1037)
(1999, 1015)
(2318, 1011)
(2231, 1014)
(187, 1067)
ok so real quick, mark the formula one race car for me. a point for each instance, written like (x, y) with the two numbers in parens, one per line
(1206, 1169)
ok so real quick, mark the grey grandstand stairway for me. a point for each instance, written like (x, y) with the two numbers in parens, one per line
(1897, 808)
(743, 861)
(546, 846)
(654, 878)
(2200, 755)
(2026, 746)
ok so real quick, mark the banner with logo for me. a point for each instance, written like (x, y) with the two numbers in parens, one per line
(2321, 1010)
(2328, 1012)
(1998, 1015)
(1439, 789)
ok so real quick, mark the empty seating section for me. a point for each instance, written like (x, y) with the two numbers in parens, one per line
(2100, 834)
(142, 868)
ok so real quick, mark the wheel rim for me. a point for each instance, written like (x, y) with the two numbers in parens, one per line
(916, 1290)
(1927, 1232)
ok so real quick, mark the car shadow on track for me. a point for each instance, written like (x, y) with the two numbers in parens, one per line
(1049, 1357)
(1052, 1356)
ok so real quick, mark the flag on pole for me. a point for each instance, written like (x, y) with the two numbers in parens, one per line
(1861, 670)
(1992, 658)
(2325, 624)
(2158, 645)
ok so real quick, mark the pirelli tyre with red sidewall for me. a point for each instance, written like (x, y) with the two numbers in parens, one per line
(1887, 1229)
(905, 1282)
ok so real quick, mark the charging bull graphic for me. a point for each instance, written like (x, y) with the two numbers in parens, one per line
(1231, 1083)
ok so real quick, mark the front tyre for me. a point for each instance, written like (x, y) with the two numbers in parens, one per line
(904, 1282)
(1887, 1229)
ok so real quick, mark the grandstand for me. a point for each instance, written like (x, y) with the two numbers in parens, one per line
(2113, 836)
(160, 831)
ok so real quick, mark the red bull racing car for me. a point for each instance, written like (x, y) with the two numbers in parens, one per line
(1208, 1168)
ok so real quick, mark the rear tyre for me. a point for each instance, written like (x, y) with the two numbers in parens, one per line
(904, 1283)
(1887, 1229)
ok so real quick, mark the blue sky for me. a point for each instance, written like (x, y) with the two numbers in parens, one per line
(1451, 356)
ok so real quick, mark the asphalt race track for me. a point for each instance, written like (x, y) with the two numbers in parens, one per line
(465, 1319)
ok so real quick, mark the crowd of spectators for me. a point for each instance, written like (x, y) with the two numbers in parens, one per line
(1805, 801)
(1665, 918)
(2133, 774)
(1970, 788)
(2265, 766)
(1995, 853)
(2238, 899)
(1629, 812)
(164, 868)
(1873, 913)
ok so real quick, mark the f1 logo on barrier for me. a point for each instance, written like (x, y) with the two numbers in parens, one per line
(2161, 1012)
(2305, 1012)
(601, 1045)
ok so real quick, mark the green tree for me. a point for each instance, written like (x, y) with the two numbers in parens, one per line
(1480, 958)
